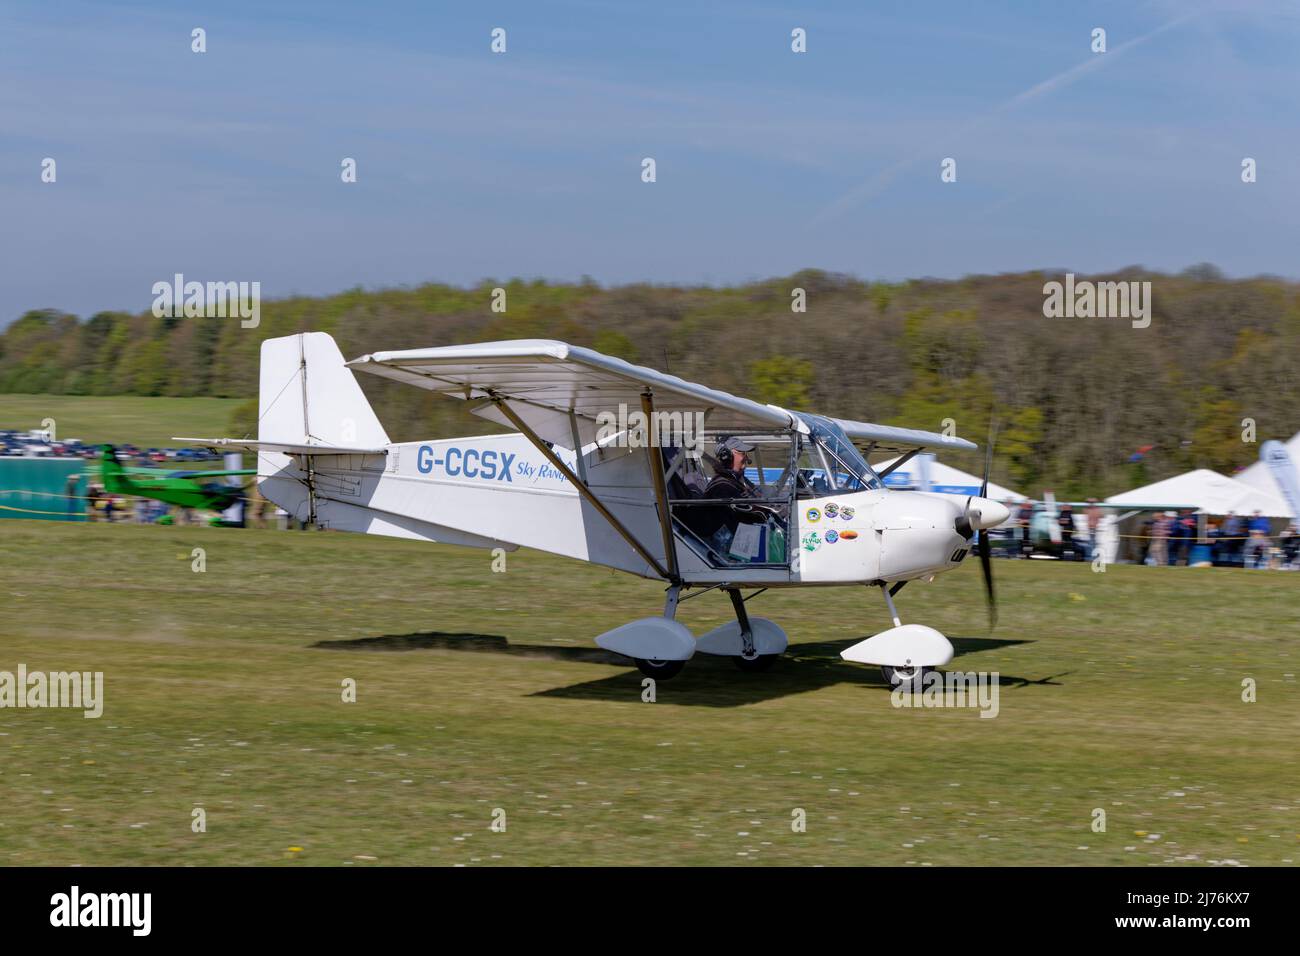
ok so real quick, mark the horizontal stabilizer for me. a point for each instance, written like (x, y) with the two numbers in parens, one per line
(202, 475)
(287, 448)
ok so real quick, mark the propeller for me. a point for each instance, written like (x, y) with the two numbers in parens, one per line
(975, 520)
(986, 561)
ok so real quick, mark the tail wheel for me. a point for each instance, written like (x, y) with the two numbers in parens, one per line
(659, 670)
(755, 665)
(907, 677)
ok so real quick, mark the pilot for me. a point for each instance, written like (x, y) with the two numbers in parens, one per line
(732, 456)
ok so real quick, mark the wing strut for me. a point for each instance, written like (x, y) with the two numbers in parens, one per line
(581, 485)
(898, 463)
(656, 456)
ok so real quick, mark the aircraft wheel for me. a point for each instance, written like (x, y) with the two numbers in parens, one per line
(755, 665)
(904, 676)
(659, 670)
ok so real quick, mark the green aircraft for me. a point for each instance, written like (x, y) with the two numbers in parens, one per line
(185, 489)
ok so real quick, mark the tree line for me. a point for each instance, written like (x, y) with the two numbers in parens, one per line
(1074, 399)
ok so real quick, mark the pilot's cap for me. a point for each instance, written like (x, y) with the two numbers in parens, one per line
(735, 444)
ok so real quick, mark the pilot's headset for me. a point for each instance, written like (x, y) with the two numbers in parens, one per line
(725, 455)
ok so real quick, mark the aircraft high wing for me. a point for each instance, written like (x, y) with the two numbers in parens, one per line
(559, 390)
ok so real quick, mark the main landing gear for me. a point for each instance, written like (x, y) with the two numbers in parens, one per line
(660, 646)
(659, 670)
(749, 659)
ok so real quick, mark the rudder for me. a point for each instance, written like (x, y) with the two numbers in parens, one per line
(307, 394)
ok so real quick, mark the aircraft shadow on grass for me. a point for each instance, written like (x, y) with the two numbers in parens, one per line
(707, 681)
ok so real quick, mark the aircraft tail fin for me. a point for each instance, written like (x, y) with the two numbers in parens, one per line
(308, 396)
(111, 473)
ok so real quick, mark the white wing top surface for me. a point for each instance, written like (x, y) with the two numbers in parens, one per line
(558, 388)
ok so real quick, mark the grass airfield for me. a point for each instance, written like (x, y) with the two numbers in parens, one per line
(150, 422)
(479, 691)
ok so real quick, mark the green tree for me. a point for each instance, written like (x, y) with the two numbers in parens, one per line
(782, 380)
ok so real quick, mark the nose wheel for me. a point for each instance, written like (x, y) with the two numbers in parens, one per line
(907, 677)
(910, 676)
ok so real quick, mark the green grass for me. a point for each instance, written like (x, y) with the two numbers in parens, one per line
(147, 422)
(478, 691)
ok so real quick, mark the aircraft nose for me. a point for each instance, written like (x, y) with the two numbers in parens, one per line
(985, 513)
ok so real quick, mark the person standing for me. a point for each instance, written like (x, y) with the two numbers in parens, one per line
(1144, 539)
(1232, 543)
(1094, 528)
(1024, 519)
(1214, 535)
(70, 493)
(1160, 538)
(1066, 521)
(1257, 545)
(1289, 541)
(1186, 533)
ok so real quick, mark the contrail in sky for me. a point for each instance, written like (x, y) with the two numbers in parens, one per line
(877, 183)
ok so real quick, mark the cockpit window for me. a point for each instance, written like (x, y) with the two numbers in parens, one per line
(849, 471)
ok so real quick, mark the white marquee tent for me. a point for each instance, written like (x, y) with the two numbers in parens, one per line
(1206, 491)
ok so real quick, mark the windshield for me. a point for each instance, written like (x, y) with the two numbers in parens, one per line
(849, 470)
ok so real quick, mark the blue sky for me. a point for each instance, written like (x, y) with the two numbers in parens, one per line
(225, 165)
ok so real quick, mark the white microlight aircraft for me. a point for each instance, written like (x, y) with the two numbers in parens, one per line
(611, 464)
